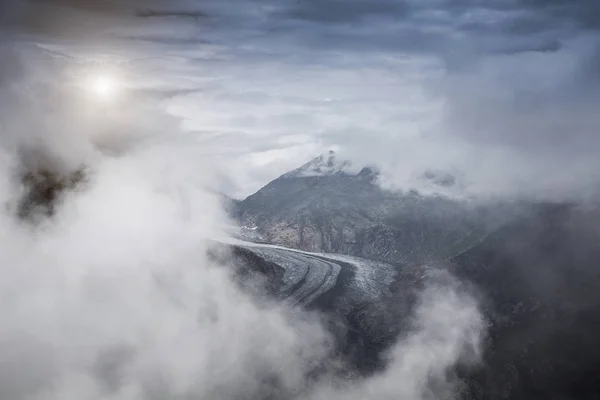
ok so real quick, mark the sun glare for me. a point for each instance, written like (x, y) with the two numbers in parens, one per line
(104, 87)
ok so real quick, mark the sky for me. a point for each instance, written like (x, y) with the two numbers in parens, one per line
(114, 298)
(503, 93)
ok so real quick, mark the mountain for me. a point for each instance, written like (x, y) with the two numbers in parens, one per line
(322, 165)
(324, 206)
(535, 267)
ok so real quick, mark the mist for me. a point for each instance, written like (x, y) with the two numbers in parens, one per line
(113, 296)
(109, 293)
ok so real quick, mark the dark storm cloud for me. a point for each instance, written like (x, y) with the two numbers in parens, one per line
(510, 26)
(80, 19)
(550, 45)
(175, 14)
(164, 93)
(585, 13)
(530, 17)
(335, 11)
(591, 66)
(161, 39)
(61, 17)
(512, 18)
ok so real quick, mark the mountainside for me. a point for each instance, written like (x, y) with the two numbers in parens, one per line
(539, 277)
(536, 278)
(325, 207)
(534, 266)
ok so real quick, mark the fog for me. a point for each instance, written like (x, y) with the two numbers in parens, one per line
(112, 296)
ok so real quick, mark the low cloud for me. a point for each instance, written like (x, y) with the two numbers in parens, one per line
(114, 297)
(446, 329)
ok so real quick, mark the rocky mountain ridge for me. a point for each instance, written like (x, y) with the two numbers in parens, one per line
(324, 206)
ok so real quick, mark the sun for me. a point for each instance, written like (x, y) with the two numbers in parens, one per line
(104, 87)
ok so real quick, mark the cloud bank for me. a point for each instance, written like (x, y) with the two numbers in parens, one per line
(114, 297)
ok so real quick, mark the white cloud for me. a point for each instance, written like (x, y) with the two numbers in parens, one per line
(115, 298)
(447, 328)
(121, 272)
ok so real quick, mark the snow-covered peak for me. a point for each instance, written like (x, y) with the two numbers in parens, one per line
(323, 165)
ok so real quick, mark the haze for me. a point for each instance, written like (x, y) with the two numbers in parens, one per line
(167, 106)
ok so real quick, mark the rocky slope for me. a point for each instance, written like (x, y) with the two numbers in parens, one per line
(324, 206)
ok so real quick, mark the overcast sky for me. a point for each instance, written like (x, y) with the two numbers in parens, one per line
(503, 93)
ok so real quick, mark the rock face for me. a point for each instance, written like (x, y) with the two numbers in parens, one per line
(324, 207)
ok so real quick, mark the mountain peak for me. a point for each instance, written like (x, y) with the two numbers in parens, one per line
(324, 165)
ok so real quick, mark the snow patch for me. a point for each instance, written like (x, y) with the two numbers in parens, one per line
(323, 165)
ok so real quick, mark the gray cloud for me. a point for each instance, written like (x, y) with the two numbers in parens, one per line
(516, 81)
(181, 40)
(503, 91)
(412, 26)
(347, 11)
(171, 13)
(92, 20)
(584, 13)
